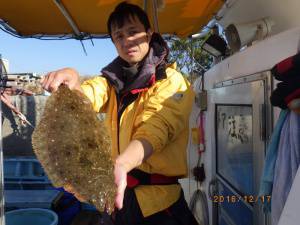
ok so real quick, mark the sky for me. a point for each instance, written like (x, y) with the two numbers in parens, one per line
(41, 56)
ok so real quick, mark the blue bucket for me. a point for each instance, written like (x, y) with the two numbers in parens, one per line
(31, 216)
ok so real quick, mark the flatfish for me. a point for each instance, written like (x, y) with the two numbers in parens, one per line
(74, 148)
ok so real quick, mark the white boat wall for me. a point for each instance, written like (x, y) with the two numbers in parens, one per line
(243, 82)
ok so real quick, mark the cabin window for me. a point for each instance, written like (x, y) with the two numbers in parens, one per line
(235, 146)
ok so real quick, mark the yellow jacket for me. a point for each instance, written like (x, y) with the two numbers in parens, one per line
(160, 115)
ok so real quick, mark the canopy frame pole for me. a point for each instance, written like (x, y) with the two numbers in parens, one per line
(68, 17)
(2, 198)
(155, 16)
(145, 4)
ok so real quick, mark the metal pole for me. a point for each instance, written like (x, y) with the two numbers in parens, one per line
(2, 199)
(68, 17)
(145, 4)
(155, 17)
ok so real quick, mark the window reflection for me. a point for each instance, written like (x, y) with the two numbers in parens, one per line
(234, 146)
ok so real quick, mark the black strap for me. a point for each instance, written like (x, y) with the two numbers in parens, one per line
(143, 178)
(65, 205)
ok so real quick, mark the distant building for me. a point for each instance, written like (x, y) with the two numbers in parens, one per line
(4, 65)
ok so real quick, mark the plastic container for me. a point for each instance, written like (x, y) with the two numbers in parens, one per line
(31, 216)
(25, 174)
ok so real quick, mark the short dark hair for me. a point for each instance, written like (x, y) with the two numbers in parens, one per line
(123, 12)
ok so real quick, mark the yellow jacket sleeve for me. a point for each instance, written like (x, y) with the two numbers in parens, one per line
(166, 111)
(97, 90)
